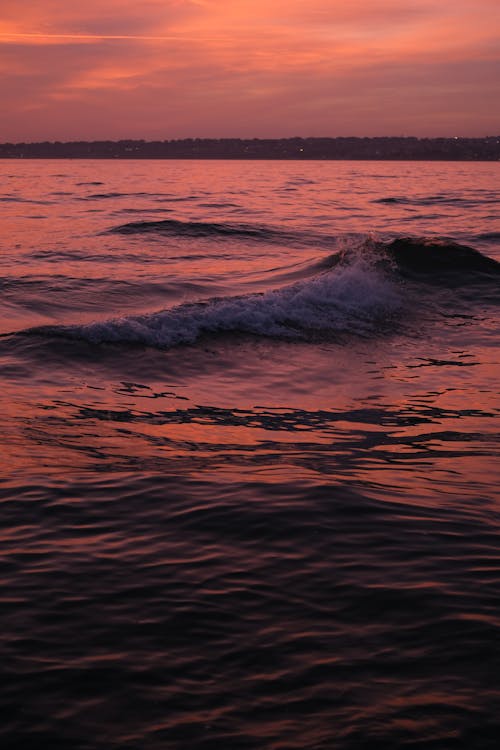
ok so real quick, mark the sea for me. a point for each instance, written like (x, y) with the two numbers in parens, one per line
(249, 493)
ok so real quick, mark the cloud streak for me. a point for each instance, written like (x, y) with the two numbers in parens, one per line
(85, 37)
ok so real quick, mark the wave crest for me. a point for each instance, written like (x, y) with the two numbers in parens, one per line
(175, 227)
(435, 255)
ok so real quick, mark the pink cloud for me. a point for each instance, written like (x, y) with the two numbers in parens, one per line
(193, 68)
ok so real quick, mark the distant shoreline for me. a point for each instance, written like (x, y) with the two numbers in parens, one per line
(279, 149)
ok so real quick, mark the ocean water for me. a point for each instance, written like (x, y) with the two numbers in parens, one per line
(249, 448)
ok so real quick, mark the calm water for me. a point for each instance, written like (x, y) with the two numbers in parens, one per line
(249, 448)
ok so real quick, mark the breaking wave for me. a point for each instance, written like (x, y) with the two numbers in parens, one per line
(359, 291)
(353, 297)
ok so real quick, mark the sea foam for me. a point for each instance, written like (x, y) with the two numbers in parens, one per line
(354, 297)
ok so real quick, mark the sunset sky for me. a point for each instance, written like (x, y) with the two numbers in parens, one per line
(160, 69)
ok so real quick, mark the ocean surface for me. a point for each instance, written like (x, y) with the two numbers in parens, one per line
(250, 458)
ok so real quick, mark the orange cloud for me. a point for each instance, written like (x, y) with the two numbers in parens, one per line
(118, 68)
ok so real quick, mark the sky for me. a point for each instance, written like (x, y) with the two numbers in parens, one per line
(162, 69)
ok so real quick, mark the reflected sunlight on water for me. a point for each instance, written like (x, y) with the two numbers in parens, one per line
(283, 531)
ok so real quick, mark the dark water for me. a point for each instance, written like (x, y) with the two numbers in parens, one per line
(249, 493)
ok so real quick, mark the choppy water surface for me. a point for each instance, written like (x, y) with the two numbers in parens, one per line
(249, 492)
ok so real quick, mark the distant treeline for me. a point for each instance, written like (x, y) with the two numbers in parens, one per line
(449, 149)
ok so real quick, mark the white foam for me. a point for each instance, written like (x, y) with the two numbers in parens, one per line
(353, 297)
